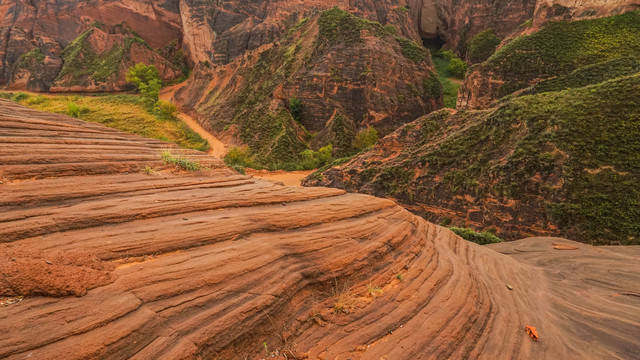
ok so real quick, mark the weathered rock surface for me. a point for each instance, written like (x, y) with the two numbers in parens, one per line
(219, 265)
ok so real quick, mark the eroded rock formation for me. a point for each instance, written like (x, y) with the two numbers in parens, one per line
(219, 265)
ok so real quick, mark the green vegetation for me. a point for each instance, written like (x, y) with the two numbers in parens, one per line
(82, 62)
(482, 238)
(274, 131)
(181, 162)
(239, 158)
(72, 110)
(341, 27)
(563, 47)
(124, 112)
(295, 108)
(411, 50)
(19, 97)
(365, 138)
(315, 159)
(29, 59)
(482, 46)
(146, 79)
(441, 61)
(588, 75)
(457, 68)
(577, 149)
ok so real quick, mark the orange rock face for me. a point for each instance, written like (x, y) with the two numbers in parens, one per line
(219, 265)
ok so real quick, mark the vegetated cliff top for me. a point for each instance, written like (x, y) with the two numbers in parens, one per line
(559, 162)
(103, 258)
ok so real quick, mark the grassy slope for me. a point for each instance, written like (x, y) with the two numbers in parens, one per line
(575, 149)
(274, 138)
(122, 112)
(560, 48)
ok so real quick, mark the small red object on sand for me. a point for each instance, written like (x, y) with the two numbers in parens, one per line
(532, 332)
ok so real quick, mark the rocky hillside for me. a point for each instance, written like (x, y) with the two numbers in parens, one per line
(560, 161)
(569, 50)
(102, 260)
(345, 73)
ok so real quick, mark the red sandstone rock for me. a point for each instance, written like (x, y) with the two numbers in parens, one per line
(215, 265)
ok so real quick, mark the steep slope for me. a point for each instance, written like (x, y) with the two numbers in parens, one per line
(218, 265)
(563, 162)
(557, 49)
(346, 72)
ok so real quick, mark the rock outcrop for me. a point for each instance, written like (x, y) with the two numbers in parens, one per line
(558, 162)
(219, 265)
(346, 72)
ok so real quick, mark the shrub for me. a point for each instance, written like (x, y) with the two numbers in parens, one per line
(36, 100)
(72, 110)
(483, 45)
(165, 110)
(366, 138)
(315, 159)
(239, 158)
(147, 79)
(482, 238)
(457, 68)
(295, 108)
(20, 96)
(183, 163)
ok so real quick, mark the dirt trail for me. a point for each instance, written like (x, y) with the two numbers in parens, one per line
(219, 149)
(216, 147)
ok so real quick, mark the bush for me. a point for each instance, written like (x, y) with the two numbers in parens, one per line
(165, 110)
(365, 138)
(72, 110)
(20, 96)
(184, 164)
(295, 108)
(147, 79)
(457, 68)
(239, 158)
(483, 45)
(483, 238)
(36, 100)
(315, 159)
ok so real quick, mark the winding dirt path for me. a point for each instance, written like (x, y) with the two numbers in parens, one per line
(219, 149)
(216, 147)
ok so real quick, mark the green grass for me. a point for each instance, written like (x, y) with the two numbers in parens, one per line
(562, 47)
(123, 112)
(449, 87)
(482, 238)
(181, 162)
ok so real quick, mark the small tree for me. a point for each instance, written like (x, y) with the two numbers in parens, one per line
(366, 138)
(295, 108)
(147, 79)
(457, 68)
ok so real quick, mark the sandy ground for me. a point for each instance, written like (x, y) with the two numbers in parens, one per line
(288, 178)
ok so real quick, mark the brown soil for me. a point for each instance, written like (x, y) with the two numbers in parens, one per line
(216, 265)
